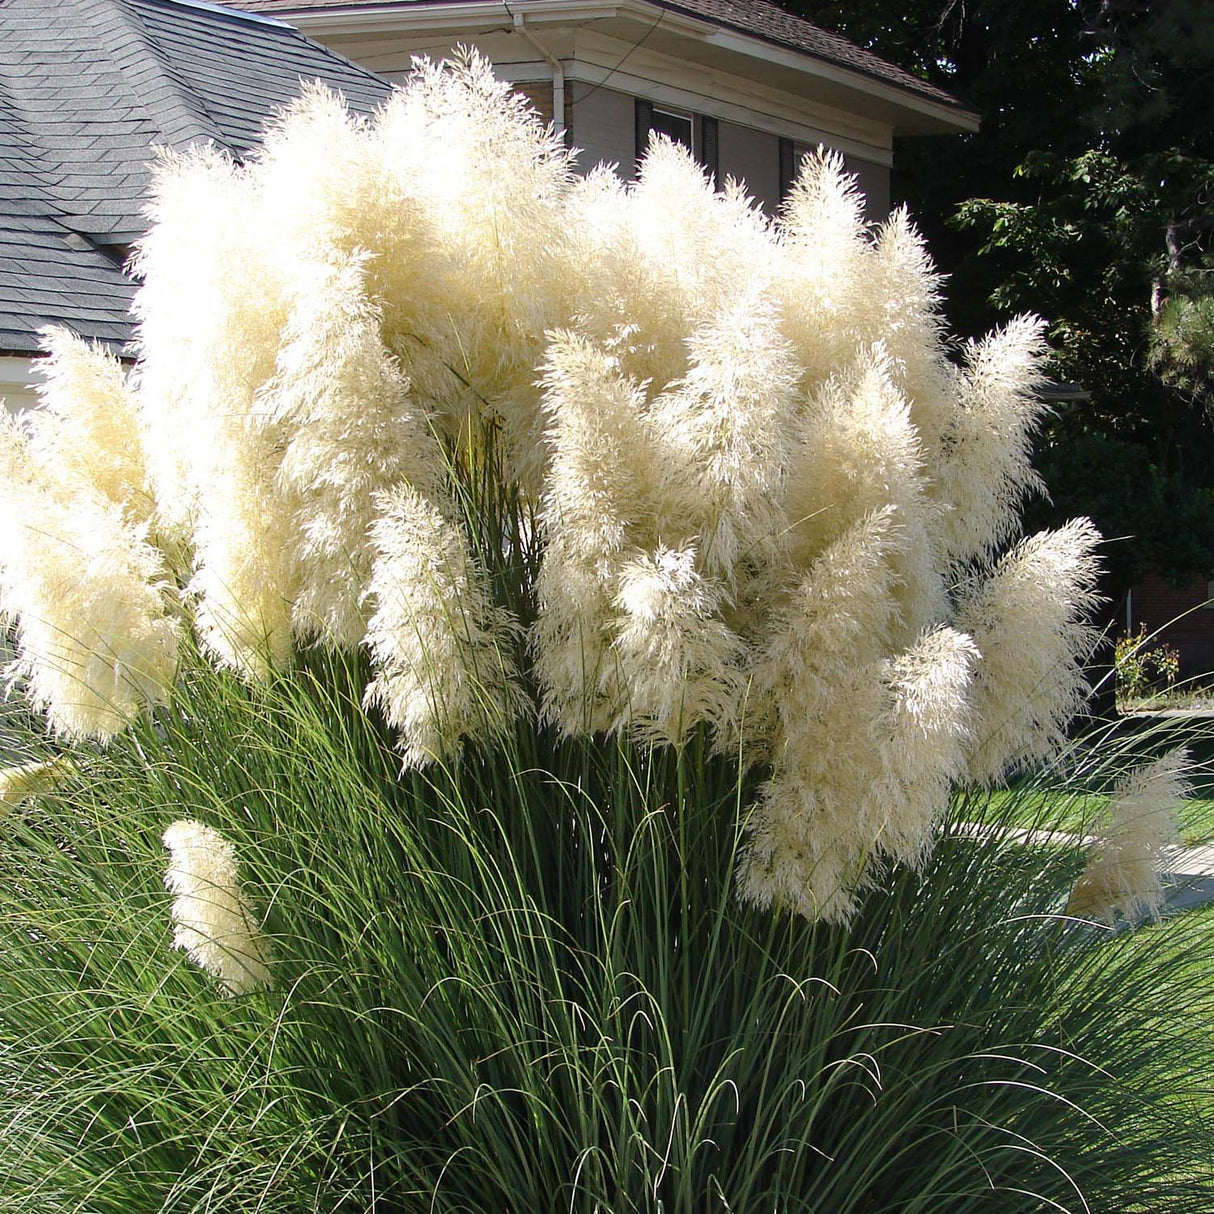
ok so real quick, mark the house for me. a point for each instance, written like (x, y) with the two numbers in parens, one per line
(748, 87)
(1180, 617)
(87, 88)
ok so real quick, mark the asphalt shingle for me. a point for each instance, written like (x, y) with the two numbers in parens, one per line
(87, 87)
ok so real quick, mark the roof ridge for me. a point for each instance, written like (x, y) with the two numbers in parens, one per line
(174, 109)
(36, 167)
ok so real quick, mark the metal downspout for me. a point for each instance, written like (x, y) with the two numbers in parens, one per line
(558, 75)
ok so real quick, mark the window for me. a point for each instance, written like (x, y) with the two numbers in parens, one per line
(676, 127)
(789, 163)
(697, 133)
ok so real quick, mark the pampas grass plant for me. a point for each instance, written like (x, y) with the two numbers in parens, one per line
(563, 633)
(526, 982)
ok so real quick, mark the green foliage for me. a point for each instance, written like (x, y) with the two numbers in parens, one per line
(1143, 667)
(1117, 482)
(1085, 198)
(525, 984)
(1182, 345)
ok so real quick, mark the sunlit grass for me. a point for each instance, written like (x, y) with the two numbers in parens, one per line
(1072, 794)
(525, 983)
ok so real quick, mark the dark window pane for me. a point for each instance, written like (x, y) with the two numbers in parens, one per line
(675, 126)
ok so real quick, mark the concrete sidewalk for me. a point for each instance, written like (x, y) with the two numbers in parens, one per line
(1189, 877)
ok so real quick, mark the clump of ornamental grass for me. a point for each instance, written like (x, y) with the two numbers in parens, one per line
(526, 982)
(770, 501)
(562, 631)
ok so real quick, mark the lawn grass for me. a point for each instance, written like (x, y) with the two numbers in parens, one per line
(1189, 937)
(1051, 809)
(1072, 795)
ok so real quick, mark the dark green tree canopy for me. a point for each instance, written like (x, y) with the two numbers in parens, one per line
(1087, 197)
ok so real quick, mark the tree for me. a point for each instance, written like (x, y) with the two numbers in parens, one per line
(1085, 198)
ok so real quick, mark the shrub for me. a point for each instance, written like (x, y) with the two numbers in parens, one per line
(546, 621)
(1142, 668)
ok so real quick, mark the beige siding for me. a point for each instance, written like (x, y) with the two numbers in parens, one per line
(873, 179)
(604, 127)
(17, 377)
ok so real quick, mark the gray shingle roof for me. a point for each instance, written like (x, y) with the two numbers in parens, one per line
(87, 87)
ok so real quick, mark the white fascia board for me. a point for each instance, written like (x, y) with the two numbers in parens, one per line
(478, 15)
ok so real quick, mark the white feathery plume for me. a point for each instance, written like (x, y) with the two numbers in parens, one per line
(96, 642)
(213, 921)
(491, 179)
(985, 473)
(353, 433)
(441, 653)
(1029, 621)
(825, 263)
(903, 313)
(86, 435)
(861, 779)
(210, 312)
(654, 261)
(836, 620)
(571, 639)
(790, 862)
(677, 661)
(603, 476)
(23, 781)
(598, 503)
(1129, 850)
(858, 452)
(206, 353)
(320, 176)
(725, 433)
(246, 575)
(924, 732)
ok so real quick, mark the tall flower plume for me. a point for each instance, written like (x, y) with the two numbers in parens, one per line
(213, 920)
(443, 653)
(1029, 618)
(1129, 849)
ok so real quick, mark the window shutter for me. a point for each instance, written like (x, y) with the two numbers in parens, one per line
(644, 120)
(709, 155)
(788, 166)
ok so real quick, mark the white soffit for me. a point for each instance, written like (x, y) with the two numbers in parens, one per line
(639, 24)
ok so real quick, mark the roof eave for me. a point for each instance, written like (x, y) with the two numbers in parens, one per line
(909, 112)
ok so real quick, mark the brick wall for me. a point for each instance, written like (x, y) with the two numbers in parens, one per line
(1182, 618)
(539, 94)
